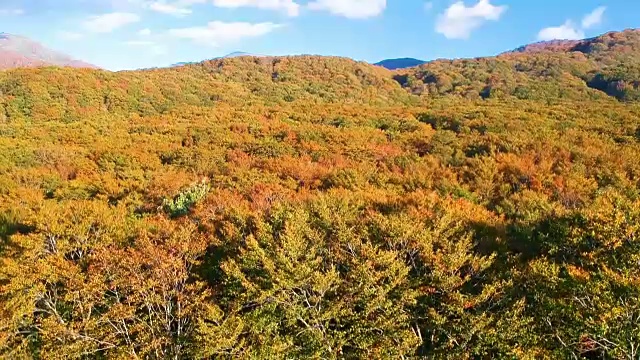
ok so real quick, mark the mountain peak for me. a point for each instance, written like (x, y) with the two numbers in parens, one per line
(400, 63)
(240, 54)
(19, 51)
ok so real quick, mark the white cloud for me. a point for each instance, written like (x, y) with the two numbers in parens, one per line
(566, 31)
(107, 23)
(169, 9)
(144, 32)
(353, 9)
(217, 33)
(289, 6)
(11, 12)
(594, 18)
(569, 30)
(69, 35)
(458, 21)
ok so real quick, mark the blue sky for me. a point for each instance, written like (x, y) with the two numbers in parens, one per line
(128, 34)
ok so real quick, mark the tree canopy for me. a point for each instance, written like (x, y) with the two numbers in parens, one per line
(318, 207)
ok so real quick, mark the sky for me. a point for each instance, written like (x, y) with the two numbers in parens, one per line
(131, 34)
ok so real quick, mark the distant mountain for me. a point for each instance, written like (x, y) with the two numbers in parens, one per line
(234, 54)
(402, 63)
(18, 51)
(240, 54)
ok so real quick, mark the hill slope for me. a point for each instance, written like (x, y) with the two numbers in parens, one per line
(597, 68)
(233, 81)
(18, 51)
(608, 64)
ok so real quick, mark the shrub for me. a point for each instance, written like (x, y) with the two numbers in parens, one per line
(185, 199)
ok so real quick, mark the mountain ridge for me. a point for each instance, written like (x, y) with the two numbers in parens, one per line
(228, 56)
(585, 45)
(19, 51)
(608, 64)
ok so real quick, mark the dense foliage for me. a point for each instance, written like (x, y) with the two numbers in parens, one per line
(311, 207)
(607, 65)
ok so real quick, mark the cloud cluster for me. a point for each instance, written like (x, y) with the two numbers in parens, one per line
(566, 31)
(290, 7)
(594, 18)
(183, 7)
(170, 9)
(353, 9)
(570, 30)
(107, 23)
(458, 20)
(217, 33)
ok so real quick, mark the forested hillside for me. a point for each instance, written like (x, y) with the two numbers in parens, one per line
(587, 69)
(318, 207)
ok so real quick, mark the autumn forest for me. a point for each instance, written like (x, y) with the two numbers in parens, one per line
(319, 207)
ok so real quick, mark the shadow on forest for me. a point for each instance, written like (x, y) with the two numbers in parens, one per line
(549, 237)
(11, 225)
(518, 244)
(554, 239)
